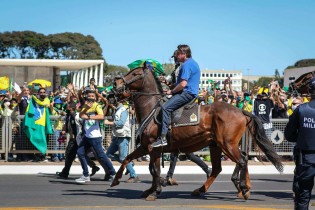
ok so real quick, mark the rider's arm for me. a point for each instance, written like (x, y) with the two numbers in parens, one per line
(179, 87)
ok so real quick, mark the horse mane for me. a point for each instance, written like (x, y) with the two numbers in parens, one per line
(157, 81)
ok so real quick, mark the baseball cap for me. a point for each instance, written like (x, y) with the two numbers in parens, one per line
(57, 101)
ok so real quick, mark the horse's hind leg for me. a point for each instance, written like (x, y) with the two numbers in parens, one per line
(242, 182)
(244, 178)
(139, 152)
(215, 154)
(236, 178)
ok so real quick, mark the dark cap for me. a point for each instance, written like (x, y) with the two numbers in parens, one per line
(92, 79)
(312, 84)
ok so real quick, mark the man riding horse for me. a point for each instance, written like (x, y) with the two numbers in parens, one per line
(186, 89)
(219, 126)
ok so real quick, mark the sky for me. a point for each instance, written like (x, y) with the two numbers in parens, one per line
(255, 36)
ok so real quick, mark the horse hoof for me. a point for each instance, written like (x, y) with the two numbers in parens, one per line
(145, 194)
(240, 195)
(172, 181)
(246, 195)
(114, 183)
(196, 192)
(150, 198)
(163, 182)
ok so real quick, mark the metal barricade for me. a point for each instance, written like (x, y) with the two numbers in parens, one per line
(276, 136)
(14, 140)
(2, 137)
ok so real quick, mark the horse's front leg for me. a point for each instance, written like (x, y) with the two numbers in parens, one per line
(156, 173)
(149, 191)
(139, 152)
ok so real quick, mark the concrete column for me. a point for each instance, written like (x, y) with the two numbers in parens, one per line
(91, 73)
(74, 82)
(86, 72)
(81, 78)
(101, 80)
(96, 75)
(77, 79)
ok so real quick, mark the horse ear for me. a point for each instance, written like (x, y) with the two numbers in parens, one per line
(144, 65)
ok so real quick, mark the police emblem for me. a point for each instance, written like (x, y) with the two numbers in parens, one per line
(193, 117)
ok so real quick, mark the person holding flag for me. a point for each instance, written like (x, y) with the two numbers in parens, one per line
(36, 124)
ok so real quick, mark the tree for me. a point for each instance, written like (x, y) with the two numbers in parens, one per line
(74, 46)
(29, 44)
(264, 81)
(168, 68)
(303, 63)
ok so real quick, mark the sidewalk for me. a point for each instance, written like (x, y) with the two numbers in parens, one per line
(183, 167)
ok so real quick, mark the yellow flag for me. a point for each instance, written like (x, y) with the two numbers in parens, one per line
(4, 83)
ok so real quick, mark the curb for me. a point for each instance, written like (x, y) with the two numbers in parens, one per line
(140, 169)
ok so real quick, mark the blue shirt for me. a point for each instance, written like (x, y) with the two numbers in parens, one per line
(190, 72)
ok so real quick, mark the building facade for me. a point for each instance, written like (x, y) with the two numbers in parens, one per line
(220, 76)
(26, 70)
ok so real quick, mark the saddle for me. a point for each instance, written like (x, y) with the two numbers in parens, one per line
(188, 114)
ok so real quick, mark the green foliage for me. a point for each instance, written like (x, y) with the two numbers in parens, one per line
(303, 63)
(251, 84)
(168, 68)
(116, 70)
(264, 81)
(29, 44)
(65, 79)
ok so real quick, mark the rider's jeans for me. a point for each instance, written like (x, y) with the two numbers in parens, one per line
(171, 105)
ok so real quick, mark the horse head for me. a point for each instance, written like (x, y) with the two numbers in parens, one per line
(133, 82)
(301, 85)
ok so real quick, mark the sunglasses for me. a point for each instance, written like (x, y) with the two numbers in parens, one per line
(42, 92)
(295, 103)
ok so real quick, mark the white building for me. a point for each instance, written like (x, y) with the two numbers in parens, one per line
(219, 76)
(26, 70)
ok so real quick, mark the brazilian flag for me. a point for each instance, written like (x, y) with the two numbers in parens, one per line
(36, 124)
(157, 67)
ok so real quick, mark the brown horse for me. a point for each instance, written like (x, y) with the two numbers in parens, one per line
(220, 128)
(301, 84)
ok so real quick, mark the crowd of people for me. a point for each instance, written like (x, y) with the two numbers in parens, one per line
(280, 104)
(80, 114)
(264, 102)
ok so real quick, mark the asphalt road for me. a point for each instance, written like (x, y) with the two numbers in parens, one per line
(45, 191)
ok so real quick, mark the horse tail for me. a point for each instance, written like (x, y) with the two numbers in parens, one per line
(257, 132)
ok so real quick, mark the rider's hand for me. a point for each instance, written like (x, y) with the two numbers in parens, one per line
(168, 92)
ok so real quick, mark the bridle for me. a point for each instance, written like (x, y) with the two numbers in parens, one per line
(126, 83)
